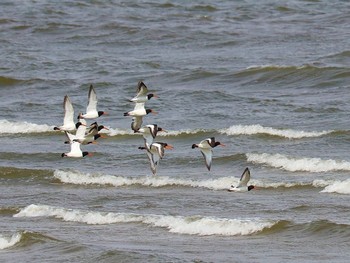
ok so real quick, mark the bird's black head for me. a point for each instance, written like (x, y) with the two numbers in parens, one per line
(56, 128)
(151, 95)
(97, 136)
(101, 127)
(194, 146)
(148, 111)
(250, 187)
(85, 153)
(63, 155)
(100, 113)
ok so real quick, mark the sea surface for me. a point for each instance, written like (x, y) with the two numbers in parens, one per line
(269, 79)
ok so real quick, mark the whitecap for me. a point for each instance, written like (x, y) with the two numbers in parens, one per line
(340, 187)
(23, 127)
(190, 225)
(221, 183)
(258, 129)
(9, 241)
(292, 164)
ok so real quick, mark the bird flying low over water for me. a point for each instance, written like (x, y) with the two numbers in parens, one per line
(142, 95)
(139, 110)
(68, 120)
(79, 134)
(149, 133)
(95, 128)
(243, 183)
(206, 147)
(155, 153)
(91, 109)
(75, 150)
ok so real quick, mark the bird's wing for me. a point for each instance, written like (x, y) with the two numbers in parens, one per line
(141, 89)
(68, 111)
(92, 103)
(139, 106)
(80, 134)
(245, 177)
(208, 155)
(136, 123)
(75, 147)
(70, 137)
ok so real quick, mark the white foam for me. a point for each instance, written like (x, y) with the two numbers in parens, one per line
(23, 127)
(340, 187)
(9, 241)
(221, 183)
(181, 132)
(117, 131)
(190, 225)
(258, 129)
(272, 66)
(292, 164)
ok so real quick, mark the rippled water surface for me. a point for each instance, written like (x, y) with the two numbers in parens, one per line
(269, 79)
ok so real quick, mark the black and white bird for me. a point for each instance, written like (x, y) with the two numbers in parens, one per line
(142, 95)
(155, 153)
(243, 183)
(91, 109)
(149, 133)
(68, 120)
(75, 151)
(206, 147)
(139, 110)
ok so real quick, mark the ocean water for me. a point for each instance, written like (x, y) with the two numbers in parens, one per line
(269, 79)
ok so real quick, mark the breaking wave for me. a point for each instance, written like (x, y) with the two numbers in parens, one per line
(190, 225)
(8, 127)
(258, 129)
(9, 241)
(222, 183)
(292, 164)
(340, 187)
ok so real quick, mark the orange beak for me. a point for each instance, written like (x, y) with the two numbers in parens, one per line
(169, 147)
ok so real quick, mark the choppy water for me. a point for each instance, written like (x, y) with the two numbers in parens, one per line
(270, 79)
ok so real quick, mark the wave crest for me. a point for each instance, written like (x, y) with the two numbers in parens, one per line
(190, 225)
(315, 165)
(9, 241)
(8, 127)
(340, 187)
(258, 129)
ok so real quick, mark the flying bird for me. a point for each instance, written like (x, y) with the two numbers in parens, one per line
(142, 95)
(206, 147)
(91, 109)
(243, 183)
(155, 153)
(75, 150)
(139, 110)
(149, 133)
(68, 120)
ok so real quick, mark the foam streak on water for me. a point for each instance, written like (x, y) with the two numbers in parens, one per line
(191, 225)
(292, 164)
